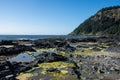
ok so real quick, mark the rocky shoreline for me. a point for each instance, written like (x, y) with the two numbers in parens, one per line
(61, 58)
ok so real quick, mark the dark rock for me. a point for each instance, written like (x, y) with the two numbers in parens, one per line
(96, 49)
(96, 68)
(43, 43)
(51, 57)
(59, 44)
(53, 70)
(6, 71)
(117, 68)
(7, 42)
(15, 50)
(113, 48)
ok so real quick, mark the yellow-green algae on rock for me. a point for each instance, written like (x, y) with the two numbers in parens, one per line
(55, 65)
(24, 76)
(61, 66)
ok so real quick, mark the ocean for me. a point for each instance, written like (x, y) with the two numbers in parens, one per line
(35, 37)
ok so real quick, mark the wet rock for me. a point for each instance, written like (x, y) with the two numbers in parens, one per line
(117, 68)
(96, 48)
(7, 42)
(82, 46)
(95, 68)
(102, 70)
(51, 57)
(44, 43)
(64, 46)
(15, 50)
(53, 70)
(59, 44)
(18, 66)
(6, 71)
(113, 48)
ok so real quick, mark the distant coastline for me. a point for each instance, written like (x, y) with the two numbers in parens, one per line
(35, 37)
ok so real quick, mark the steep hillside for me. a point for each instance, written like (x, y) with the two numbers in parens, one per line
(104, 22)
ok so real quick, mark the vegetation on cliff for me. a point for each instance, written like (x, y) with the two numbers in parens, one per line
(104, 22)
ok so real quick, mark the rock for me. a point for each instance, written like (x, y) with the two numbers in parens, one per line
(15, 50)
(43, 43)
(88, 40)
(96, 49)
(59, 44)
(64, 46)
(53, 70)
(117, 68)
(51, 57)
(113, 48)
(95, 68)
(9, 70)
(7, 42)
(6, 72)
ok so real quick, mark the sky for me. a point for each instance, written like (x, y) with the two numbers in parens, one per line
(47, 17)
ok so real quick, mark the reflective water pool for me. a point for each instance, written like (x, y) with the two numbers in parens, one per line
(23, 57)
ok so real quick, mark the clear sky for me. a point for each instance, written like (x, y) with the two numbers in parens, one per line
(47, 17)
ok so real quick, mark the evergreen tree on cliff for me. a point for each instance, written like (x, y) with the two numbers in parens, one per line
(104, 22)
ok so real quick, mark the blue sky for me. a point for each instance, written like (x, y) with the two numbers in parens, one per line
(47, 17)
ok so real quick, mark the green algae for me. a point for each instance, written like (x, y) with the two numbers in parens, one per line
(57, 65)
(62, 66)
